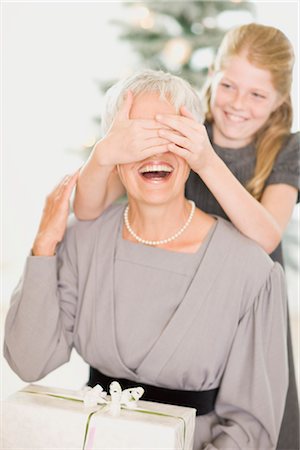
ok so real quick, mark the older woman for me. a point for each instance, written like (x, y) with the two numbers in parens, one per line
(157, 292)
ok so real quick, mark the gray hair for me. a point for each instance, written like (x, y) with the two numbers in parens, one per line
(170, 87)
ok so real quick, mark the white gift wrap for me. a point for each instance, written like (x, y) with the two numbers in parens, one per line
(40, 421)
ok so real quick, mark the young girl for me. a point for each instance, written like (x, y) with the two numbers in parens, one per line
(244, 161)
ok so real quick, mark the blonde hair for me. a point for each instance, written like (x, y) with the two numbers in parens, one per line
(269, 49)
(176, 90)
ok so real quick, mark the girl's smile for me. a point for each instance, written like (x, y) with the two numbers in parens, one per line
(243, 98)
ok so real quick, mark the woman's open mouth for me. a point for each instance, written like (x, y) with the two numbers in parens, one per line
(156, 172)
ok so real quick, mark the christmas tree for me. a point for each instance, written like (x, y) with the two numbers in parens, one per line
(181, 36)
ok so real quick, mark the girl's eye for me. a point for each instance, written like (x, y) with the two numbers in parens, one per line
(226, 85)
(257, 95)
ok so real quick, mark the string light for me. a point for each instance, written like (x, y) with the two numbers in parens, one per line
(139, 13)
(202, 58)
(142, 17)
(197, 28)
(209, 22)
(147, 22)
(229, 19)
(176, 53)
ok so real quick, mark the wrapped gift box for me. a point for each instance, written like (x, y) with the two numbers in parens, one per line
(40, 417)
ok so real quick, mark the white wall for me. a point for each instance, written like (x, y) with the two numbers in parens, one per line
(285, 16)
(53, 54)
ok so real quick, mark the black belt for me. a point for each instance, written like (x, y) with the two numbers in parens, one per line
(202, 401)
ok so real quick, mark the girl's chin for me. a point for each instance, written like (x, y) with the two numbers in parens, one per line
(229, 136)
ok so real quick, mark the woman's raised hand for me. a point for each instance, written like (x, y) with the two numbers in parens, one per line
(54, 218)
(188, 138)
(129, 140)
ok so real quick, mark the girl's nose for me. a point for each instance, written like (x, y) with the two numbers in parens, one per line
(238, 101)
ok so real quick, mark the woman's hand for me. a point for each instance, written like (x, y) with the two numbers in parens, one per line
(188, 138)
(54, 218)
(129, 140)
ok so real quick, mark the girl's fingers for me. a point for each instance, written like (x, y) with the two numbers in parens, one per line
(123, 113)
(148, 124)
(144, 135)
(156, 149)
(154, 142)
(176, 139)
(183, 152)
(179, 123)
(186, 113)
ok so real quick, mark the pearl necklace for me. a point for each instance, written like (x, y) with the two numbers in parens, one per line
(163, 241)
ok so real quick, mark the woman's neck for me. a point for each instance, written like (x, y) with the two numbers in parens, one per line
(157, 222)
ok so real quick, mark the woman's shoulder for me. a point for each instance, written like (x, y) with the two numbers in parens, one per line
(246, 264)
(243, 254)
(87, 229)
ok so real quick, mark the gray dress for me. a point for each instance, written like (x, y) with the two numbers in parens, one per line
(215, 318)
(241, 162)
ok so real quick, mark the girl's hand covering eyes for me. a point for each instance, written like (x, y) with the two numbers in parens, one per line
(188, 138)
(129, 140)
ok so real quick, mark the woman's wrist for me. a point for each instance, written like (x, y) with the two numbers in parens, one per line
(44, 246)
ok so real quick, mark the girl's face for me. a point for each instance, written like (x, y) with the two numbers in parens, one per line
(243, 97)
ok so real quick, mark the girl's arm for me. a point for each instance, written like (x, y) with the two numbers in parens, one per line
(97, 187)
(264, 221)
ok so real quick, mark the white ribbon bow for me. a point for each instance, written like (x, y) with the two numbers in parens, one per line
(128, 397)
(94, 396)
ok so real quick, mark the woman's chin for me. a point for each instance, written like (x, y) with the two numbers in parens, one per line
(154, 197)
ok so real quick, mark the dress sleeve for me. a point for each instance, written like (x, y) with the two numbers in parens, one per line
(251, 399)
(40, 321)
(287, 164)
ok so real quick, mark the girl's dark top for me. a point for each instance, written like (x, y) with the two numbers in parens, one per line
(241, 162)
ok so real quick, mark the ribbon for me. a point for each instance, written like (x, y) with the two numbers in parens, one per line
(96, 396)
(127, 398)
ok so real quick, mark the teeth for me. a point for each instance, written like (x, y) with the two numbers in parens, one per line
(235, 118)
(156, 168)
